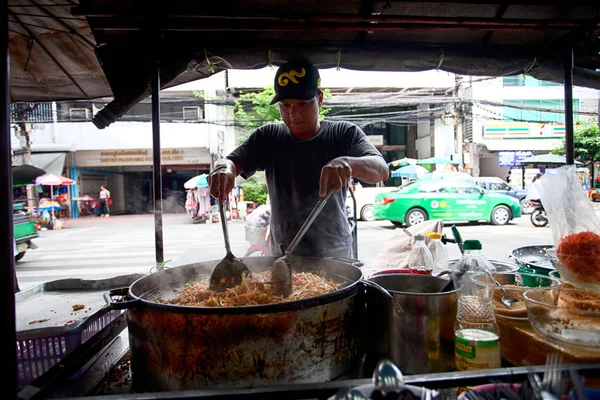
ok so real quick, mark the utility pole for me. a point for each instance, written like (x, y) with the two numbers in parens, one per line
(458, 111)
(22, 114)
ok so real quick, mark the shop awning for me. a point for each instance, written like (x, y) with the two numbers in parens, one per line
(52, 163)
(102, 48)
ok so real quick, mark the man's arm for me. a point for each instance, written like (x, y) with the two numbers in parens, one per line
(337, 172)
(222, 178)
(370, 169)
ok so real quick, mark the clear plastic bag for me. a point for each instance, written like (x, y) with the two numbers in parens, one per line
(575, 227)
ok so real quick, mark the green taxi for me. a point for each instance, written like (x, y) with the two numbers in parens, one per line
(447, 200)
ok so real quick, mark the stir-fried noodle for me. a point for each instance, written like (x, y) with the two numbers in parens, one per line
(252, 291)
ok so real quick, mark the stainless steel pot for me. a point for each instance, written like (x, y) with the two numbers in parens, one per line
(178, 348)
(421, 338)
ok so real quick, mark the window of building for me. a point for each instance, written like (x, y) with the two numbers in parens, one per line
(526, 114)
(525, 80)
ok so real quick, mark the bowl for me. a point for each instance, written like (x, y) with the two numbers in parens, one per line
(516, 284)
(533, 259)
(565, 316)
(582, 278)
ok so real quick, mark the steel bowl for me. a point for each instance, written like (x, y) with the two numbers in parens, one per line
(533, 259)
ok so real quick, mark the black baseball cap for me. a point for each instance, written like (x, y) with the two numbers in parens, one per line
(296, 80)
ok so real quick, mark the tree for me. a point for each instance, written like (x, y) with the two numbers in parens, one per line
(253, 110)
(586, 144)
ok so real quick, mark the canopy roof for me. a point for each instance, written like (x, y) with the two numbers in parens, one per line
(102, 48)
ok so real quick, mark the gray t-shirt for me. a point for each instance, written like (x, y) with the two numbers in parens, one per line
(293, 170)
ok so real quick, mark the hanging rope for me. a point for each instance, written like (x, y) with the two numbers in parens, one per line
(442, 58)
(339, 60)
(211, 67)
(531, 66)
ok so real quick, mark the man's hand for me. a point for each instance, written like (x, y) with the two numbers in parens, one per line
(334, 175)
(222, 179)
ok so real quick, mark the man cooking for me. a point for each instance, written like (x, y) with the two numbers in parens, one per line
(304, 158)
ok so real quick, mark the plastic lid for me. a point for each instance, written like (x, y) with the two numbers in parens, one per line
(472, 245)
(435, 235)
(419, 237)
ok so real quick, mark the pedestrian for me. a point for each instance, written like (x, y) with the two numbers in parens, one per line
(508, 178)
(304, 158)
(104, 199)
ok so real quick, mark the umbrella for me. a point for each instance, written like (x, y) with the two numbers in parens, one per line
(410, 171)
(25, 174)
(548, 159)
(53, 180)
(197, 181)
(436, 160)
(403, 162)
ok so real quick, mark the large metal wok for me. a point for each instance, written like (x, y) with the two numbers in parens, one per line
(177, 348)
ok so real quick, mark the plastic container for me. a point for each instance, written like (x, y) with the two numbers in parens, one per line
(420, 260)
(565, 316)
(438, 251)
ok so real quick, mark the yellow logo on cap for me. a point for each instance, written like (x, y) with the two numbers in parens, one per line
(286, 77)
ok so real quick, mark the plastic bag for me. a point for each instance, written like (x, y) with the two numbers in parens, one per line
(394, 255)
(575, 227)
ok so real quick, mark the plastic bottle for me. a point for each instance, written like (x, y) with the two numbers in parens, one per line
(420, 260)
(476, 333)
(438, 251)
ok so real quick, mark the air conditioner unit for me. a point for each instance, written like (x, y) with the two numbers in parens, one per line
(192, 114)
(79, 114)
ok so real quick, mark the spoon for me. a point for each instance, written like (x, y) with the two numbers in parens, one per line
(507, 299)
(230, 270)
(387, 378)
(281, 272)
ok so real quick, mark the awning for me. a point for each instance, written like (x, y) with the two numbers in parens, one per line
(52, 163)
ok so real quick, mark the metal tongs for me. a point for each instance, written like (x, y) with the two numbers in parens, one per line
(281, 271)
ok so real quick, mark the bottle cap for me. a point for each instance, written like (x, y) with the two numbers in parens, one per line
(472, 245)
(419, 237)
(435, 235)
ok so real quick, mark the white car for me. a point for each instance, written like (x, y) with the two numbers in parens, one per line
(365, 198)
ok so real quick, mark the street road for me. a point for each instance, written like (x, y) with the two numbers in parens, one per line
(96, 248)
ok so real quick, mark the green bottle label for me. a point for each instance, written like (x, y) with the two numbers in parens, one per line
(465, 348)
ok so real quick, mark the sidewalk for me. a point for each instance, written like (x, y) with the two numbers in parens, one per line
(133, 219)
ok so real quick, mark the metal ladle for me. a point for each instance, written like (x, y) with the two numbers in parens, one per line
(281, 271)
(230, 271)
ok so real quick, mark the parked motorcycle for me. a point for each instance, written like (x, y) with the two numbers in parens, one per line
(538, 215)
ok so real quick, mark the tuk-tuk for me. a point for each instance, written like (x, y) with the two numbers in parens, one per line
(24, 231)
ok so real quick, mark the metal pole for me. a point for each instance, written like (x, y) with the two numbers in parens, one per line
(569, 145)
(156, 173)
(8, 352)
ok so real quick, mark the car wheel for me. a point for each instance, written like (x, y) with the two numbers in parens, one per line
(19, 256)
(500, 215)
(397, 223)
(366, 214)
(415, 217)
(526, 207)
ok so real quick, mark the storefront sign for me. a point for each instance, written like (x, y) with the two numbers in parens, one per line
(130, 157)
(512, 158)
(524, 130)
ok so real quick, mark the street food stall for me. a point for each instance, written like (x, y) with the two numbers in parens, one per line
(128, 51)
